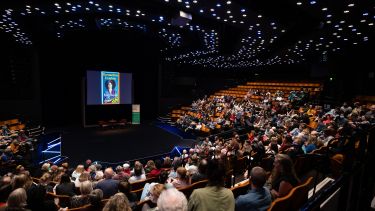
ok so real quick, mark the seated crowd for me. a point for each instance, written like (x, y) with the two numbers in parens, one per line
(276, 129)
(15, 147)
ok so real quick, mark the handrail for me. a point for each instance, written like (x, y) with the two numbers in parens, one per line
(177, 148)
(323, 195)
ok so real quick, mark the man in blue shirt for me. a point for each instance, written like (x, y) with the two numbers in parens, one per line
(258, 197)
(109, 186)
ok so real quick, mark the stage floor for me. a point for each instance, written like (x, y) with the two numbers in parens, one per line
(118, 144)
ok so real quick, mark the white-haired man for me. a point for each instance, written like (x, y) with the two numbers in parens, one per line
(172, 200)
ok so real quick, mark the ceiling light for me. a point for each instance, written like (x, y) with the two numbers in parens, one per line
(350, 5)
(312, 2)
(299, 3)
(346, 11)
(259, 16)
(229, 2)
(324, 9)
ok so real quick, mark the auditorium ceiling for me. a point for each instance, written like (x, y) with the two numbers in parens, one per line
(209, 33)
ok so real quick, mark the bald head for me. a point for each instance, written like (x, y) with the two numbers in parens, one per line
(108, 173)
(258, 176)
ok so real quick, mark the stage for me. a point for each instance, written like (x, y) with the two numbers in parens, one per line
(118, 144)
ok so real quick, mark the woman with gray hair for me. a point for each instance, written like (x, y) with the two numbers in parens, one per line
(117, 202)
(16, 200)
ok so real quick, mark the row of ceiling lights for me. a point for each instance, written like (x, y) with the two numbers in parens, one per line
(90, 6)
(343, 34)
(8, 25)
(251, 44)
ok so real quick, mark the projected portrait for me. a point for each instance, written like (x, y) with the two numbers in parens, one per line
(110, 91)
(110, 88)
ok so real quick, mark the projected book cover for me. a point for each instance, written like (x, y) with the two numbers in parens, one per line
(110, 87)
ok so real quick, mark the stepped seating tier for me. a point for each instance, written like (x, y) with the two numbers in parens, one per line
(241, 91)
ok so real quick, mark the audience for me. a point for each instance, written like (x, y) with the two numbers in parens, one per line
(286, 132)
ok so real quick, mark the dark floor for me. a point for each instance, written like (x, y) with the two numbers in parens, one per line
(118, 144)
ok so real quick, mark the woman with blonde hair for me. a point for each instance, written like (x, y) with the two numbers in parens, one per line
(85, 176)
(76, 173)
(45, 181)
(83, 199)
(117, 202)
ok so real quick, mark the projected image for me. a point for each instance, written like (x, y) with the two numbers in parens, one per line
(110, 90)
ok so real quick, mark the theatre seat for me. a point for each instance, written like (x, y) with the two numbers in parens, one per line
(241, 189)
(87, 207)
(296, 198)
